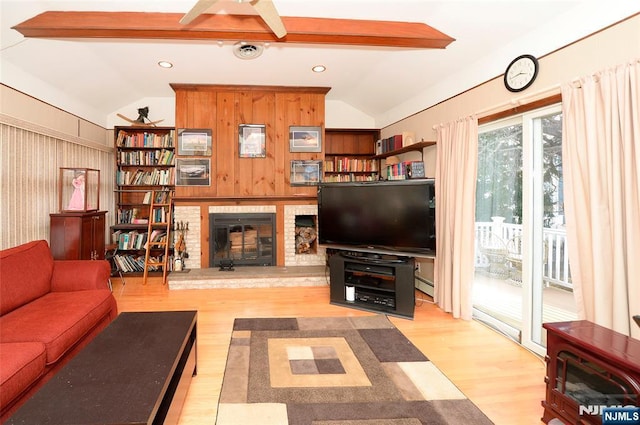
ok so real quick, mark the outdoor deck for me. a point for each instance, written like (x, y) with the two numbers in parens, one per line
(498, 280)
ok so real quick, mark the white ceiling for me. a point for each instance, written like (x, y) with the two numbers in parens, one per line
(94, 79)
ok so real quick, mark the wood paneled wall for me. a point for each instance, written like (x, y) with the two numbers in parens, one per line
(222, 108)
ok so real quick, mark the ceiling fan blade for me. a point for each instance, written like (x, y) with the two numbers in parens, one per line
(197, 10)
(267, 10)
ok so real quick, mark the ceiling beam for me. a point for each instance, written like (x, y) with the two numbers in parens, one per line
(166, 26)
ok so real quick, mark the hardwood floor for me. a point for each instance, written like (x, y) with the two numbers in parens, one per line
(503, 379)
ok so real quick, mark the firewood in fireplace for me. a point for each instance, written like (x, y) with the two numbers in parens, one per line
(305, 238)
(250, 240)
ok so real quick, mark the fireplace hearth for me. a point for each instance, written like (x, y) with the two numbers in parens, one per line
(243, 239)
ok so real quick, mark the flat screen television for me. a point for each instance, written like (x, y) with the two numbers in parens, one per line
(397, 216)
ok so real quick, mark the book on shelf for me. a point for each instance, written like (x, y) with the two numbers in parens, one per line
(156, 237)
(129, 263)
(162, 197)
(150, 158)
(159, 215)
(130, 216)
(389, 144)
(339, 178)
(406, 170)
(349, 164)
(144, 139)
(157, 177)
(129, 240)
(132, 263)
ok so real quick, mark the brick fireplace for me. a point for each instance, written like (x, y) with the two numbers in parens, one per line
(197, 234)
(242, 239)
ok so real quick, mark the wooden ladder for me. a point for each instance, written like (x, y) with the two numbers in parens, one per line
(159, 232)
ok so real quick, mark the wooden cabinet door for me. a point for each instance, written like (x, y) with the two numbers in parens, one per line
(97, 236)
(78, 236)
(86, 237)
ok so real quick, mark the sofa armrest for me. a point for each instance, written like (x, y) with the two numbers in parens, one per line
(79, 275)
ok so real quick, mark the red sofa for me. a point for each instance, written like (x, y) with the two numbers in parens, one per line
(49, 310)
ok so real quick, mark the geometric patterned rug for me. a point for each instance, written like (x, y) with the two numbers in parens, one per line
(335, 371)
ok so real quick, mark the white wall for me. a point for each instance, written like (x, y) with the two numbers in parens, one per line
(610, 47)
(160, 108)
(339, 114)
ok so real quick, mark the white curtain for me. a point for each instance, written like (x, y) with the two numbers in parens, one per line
(456, 165)
(601, 157)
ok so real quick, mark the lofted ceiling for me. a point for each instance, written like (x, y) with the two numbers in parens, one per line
(97, 77)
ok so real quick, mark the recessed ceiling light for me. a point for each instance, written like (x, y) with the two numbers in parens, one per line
(319, 68)
(165, 64)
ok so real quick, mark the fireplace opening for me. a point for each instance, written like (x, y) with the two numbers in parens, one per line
(246, 239)
(306, 234)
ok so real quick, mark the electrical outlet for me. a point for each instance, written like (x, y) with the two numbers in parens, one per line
(418, 269)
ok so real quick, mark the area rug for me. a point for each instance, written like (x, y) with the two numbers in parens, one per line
(335, 371)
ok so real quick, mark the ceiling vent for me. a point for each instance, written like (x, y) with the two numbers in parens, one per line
(245, 50)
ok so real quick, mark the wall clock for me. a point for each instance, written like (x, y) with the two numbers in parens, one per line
(521, 73)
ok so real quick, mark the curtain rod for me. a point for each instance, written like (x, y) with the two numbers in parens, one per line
(555, 89)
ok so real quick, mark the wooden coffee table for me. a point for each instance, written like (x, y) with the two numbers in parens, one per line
(136, 371)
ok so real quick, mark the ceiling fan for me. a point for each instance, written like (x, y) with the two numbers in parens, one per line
(265, 8)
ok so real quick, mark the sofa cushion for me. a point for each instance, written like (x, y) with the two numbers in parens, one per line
(58, 319)
(22, 364)
(25, 274)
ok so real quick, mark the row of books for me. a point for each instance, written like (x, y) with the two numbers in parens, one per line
(129, 263)
(339, 178)
(395, 142)
(406, 170)
(144, 139)
(145, 178)
(130, 216)
(162, 197)
(134, 239)
(158, 235)
(126, 240)
(161, 157)
(389, 144)
(345, 164)
(159, 215)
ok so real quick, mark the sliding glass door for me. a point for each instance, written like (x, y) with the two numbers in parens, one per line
(522, 273)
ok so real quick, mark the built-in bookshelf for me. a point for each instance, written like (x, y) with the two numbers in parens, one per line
(350, 169)
(348, 155)
(145, 159)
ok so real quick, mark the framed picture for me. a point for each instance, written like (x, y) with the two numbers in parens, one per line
(305, 139)
(193, 172)
(194, 141)
(252, 141)
(305, 173)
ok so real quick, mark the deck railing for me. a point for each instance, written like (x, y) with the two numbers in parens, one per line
(497, 236)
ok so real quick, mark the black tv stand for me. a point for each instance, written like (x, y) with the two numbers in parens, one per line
(379, 282)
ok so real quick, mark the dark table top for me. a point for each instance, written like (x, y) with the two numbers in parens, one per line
(118, 378)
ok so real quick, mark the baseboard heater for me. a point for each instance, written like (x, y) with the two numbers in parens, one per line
(497, 325)
(424, 285)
